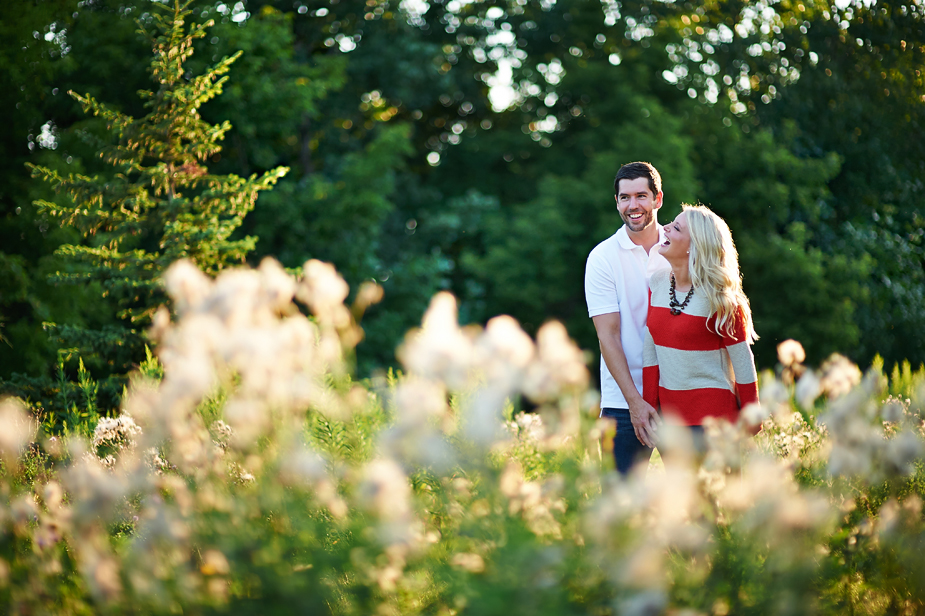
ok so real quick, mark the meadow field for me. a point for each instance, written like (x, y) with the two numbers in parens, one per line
(250, 472)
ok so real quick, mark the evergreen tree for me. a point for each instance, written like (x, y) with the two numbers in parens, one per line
(161, 203)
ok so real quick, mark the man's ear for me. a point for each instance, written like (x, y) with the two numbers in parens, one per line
(659, 198)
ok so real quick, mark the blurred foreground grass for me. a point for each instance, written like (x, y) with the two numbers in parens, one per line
(248, 472)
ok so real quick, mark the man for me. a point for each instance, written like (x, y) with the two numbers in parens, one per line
(617, 293)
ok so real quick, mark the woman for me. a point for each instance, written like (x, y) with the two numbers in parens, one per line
(697, 360)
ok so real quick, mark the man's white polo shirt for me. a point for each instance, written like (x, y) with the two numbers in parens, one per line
(617, 280)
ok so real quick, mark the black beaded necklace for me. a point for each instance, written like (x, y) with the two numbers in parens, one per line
(677, 307)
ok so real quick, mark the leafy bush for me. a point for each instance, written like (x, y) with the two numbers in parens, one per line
(249, 472)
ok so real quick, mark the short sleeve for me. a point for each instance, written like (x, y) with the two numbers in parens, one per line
(600, 286)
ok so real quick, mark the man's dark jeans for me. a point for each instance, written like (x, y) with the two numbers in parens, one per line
(627, 450)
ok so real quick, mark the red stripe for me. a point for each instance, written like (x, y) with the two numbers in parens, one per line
(684, 332)
(748, 393)
(690, 407)
(650, 386)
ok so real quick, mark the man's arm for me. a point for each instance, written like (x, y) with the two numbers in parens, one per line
(642, 414)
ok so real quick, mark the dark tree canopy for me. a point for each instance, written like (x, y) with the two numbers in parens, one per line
(796, 122)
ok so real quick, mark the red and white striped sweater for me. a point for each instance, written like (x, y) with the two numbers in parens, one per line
(688, 369)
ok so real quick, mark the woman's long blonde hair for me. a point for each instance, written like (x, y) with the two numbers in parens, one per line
(714, 269)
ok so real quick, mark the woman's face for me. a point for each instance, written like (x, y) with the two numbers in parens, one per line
(677, 244)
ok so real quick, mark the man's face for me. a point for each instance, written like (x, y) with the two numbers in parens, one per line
(637, 204)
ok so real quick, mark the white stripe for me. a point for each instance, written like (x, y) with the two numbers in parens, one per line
(743, 363)
(685, 370)
(660, 285)
(649, 357)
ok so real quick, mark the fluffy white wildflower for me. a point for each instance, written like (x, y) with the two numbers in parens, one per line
(482, 422)
(644, 567)
(644, 603)
(242, 475)
(236, 298)
(24, 510)
(248, 419)
(53, 495)
(368, 294)
(324, 291)
(902, 451)
(278, 288)
(774, 396)
(188, 375)
(189, 445)
(754, 414)
(424, 447)
(118, 432)
(808, 388)
(896, 517)
(893, 409)
(96, 493)
(19, 429)
(726, 444)
(418, 400)
(156, 462)
(792, 440)
(186, 285)
(108, 462)
(675, 442)
(503, 351)
(385, 491)
(440, 349)
(620, 500)
(790, 352)
(214, 563)
(304, 467)
(560, 364)
(839, 376)
(301, 465)
(101, 572)
(527, 427)
(534, 501)
(473, 563)
(388, 576)
(565, 359)
(846, 461)
(140, 400)
(222, 432)
(859, 443)
(160, 523)
(765, 497)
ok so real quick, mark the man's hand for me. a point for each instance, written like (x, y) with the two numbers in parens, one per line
(645, 420)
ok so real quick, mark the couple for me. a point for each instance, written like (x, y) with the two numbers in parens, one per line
(693, 360)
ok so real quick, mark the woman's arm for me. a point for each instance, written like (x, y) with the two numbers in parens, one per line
(650, 374)
(743, 364)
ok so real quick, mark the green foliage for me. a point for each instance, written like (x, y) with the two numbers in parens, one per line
(161, 203)
(838, 79)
